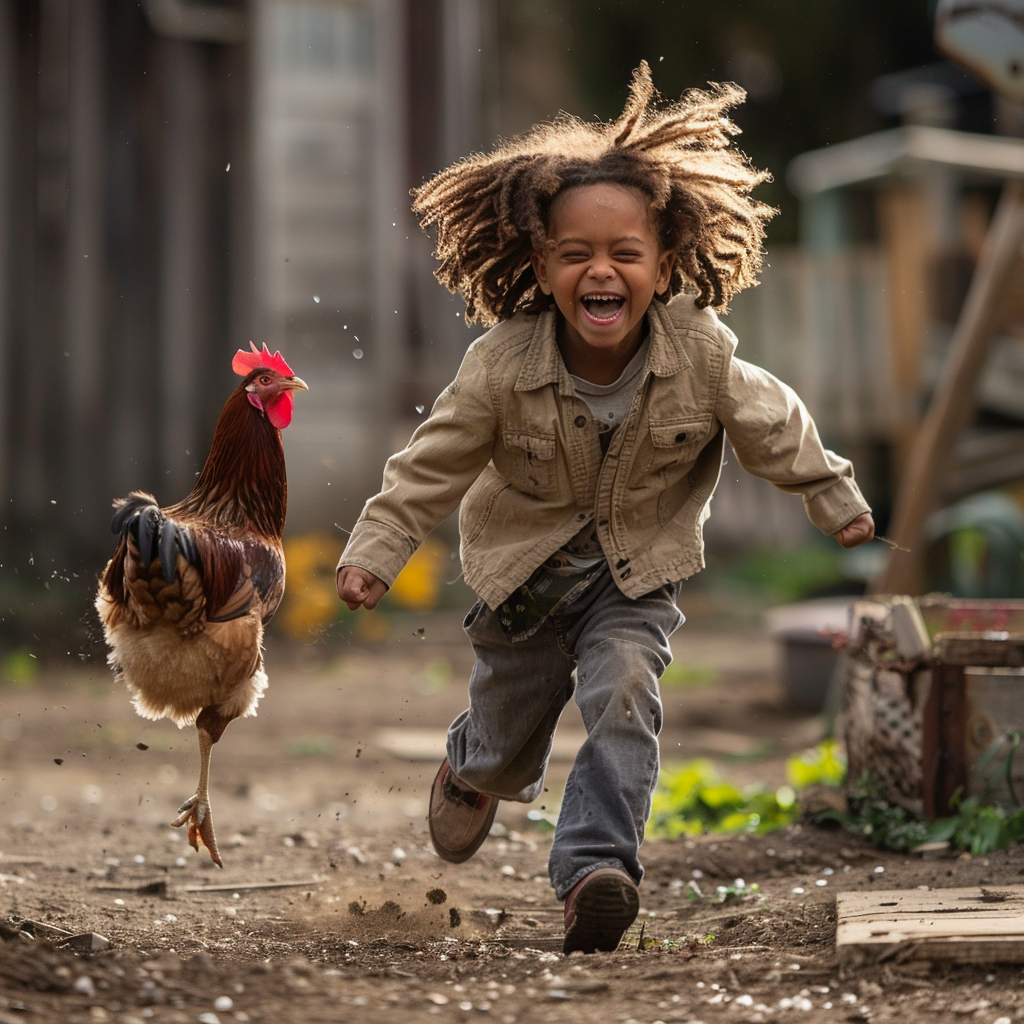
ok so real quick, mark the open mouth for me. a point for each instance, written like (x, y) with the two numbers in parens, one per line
(603, 308)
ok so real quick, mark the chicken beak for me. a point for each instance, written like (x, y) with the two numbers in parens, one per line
(294, 384)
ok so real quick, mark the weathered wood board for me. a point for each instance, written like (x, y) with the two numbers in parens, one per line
(976, 925)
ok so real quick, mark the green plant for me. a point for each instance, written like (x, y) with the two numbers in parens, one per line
(977, 825)
(886, 825)
(820, 765)
(692, 798)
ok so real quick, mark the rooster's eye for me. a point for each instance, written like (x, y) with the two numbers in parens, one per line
(264, 379)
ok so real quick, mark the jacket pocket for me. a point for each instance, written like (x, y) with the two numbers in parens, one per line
(531, 461)
(670, 442)
(478, 504)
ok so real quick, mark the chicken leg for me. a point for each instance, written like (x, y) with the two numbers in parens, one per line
(196, 809)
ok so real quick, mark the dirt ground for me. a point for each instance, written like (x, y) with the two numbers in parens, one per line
(332, 905)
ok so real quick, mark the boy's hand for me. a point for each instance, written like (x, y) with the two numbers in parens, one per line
(860, 531)
(358, 587)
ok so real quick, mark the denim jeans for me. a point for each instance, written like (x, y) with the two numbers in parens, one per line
(618, 648)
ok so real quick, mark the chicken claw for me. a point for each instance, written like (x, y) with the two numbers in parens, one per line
(197, 813)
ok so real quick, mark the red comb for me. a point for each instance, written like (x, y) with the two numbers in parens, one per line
(245, 362)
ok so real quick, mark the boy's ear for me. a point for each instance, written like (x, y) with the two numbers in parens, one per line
(540, 271)
(666, 261)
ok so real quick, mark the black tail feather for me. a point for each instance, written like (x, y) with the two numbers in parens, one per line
(139, 516)
(147, 532)
(168, 549)
(128, 508)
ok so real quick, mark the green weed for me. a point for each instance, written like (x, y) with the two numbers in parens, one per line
(692, 798)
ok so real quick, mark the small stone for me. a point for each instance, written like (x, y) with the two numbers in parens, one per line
(88, 942)
(208, 1018)
(84, 986)
(437, 999)
(223, 1003)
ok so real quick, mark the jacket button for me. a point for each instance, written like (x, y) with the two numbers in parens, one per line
(580, 421)
(681, 436)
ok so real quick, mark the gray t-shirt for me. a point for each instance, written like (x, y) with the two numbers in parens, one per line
(608, 404)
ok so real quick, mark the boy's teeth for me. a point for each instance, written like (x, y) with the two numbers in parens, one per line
(602, 306)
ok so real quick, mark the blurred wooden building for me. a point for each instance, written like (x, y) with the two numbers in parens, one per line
(178, 177)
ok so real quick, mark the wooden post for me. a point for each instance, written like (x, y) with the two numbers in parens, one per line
(908, 247)
(953, 402)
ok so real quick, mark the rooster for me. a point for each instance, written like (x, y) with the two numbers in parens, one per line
(190, 587)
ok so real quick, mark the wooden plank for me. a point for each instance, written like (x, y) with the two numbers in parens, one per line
(944, 614)
(975, 925)
(979, 650)
(949, 681)
(883, 153)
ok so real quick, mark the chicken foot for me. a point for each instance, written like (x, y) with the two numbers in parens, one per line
(196, 809)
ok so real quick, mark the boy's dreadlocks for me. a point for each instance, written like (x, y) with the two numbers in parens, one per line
(491, 210)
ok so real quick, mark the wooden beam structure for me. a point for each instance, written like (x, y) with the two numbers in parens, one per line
(953, 402)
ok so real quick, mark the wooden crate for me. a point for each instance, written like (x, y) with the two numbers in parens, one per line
(922, 725)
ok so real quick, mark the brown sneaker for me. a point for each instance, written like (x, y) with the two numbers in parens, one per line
(599, 910)
(459, 817)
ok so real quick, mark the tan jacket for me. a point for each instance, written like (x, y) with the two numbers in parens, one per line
(510, 439)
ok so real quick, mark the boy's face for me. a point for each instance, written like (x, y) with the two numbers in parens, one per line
(603, 265)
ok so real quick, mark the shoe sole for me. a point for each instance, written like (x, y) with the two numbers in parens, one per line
(463, 854)
(603, 911)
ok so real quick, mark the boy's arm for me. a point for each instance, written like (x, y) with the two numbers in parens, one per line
(422, 485)
(775, 438)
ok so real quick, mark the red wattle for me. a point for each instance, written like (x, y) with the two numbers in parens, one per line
(279, 411)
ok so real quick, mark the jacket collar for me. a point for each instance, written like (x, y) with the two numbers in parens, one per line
(543, 363)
